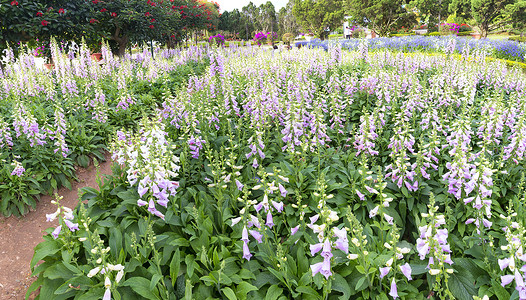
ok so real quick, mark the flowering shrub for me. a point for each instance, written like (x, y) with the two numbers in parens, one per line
(365, 174)
(218, 39)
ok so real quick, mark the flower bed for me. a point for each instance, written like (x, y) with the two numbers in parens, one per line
(504, 49)
(53, 121)
(309, 174)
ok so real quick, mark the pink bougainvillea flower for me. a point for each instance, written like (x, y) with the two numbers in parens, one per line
(44, 22)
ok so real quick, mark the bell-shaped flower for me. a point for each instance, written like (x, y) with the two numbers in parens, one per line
(393, 292)
(406, 270)
(269, 222)
(244, 235)
(246, 252)
(258, 236)
(384, 271)
(315, 248)
(56, 232)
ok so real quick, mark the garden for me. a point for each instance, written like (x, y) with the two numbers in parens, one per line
(353, 170)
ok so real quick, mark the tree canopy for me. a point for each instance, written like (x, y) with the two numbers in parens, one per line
(319, 16)
(381, 16)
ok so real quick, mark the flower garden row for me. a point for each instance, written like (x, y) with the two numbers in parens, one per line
(50, 122)
(503, 49)
(296, 174)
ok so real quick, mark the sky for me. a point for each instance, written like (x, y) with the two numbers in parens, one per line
(229, 5)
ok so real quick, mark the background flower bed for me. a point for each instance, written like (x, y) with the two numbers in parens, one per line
(510, 50)
(305, 174)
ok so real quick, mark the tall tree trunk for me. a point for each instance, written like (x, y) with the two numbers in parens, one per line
(122, 41)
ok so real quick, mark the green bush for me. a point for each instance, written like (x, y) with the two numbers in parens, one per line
(518, 39)
(287, 38)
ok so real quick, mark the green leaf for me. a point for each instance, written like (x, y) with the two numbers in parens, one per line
(175, 264)
(229, 293)
(43, 250)
(244, 288)
(154, 281)
(273, 292)
(341, 285)
(188, 290)
(141, 286)
(461, 286)
(307, 290)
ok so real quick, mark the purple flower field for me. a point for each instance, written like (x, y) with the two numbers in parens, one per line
(245, 173)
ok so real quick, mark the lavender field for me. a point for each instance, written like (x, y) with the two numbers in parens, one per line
(245, 173)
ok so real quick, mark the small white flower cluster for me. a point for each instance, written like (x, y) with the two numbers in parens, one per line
(150, 163)
(105, 271)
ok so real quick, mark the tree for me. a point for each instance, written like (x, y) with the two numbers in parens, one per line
(249, 14)
(488, 14)
(433, 10)
(267, 17)
(516, 12)
(286, 20)
(381, 16)
(319, 16)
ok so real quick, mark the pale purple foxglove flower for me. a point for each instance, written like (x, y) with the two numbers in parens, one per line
(519, 280)
(151, 206)
(158, 214)
(278, 206)
(258, 236)
(360, 195)
(487, 223)
(327, 249)
(53, 216)
(244, 235)
(314, 218)
(384, 271)
(246, 252)
(258, 206)
(340, 233)
(255, 163)
(506, 279)
(239, 185)
(68, 213)
(343, 245)
(316, 268)
(374, 212)
(282, 190)
(406, 270)
(142, 190)
(72, 226)
(293, 230)
(235, 221)
(315, 248)
(393, 292)
(326, 268)
(107, 295)
(141, 202)
(470, 220)
(270, 222)
(254, 221)
(56, 232)
(389, 219)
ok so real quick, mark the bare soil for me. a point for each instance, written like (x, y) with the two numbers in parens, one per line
(18, 236)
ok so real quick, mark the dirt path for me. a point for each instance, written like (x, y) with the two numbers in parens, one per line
(18, 237)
